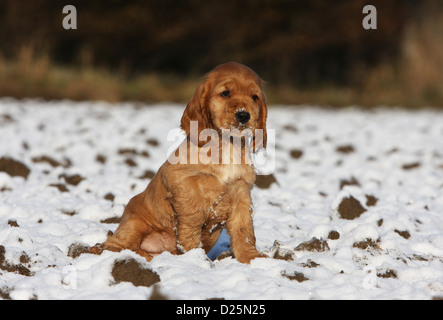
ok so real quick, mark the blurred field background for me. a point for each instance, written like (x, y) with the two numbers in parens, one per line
(307, 51)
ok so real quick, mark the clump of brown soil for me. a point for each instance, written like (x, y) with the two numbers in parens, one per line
(109, 196)
(410, 166)
(265, 181)
(69, 212)
(367, 244)
(333, 235)
(4, 293)
(297, 276)
(283, 255)
(371, 200)
(76, 249)
(310, 264)
(280, 253)
(16, 268)
(111, 220)
(388, 274)
(130, 151)
(291, 128)
(14, 168)
(153, 142)
(350, 208)
(296, 153)
(13, 223)
(318, 245)
(60, 186)
(350, 182)
(345, 149)
(404, 234)
(100, 158)
(157, 294)
(46, 159)
(7, 118)
(129, 270)
(149, 174)
(130, 162)
(74, 179)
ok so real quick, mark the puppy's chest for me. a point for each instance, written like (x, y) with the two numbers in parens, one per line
(229, 176)
(227, 173)
(218, 209)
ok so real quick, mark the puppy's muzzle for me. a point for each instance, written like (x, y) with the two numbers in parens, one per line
(242, 116)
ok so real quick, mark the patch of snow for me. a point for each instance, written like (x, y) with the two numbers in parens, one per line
(393, 155)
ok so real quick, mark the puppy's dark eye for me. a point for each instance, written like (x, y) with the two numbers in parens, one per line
(255, 97)
(225, 94)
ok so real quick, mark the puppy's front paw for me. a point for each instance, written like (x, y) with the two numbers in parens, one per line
(246, 258)
(97, 249)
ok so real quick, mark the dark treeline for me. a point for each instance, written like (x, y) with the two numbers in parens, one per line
(305, 42)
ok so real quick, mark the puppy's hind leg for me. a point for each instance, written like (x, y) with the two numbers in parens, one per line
(129, 235)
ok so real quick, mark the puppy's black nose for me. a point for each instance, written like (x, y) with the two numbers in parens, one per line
(242, 116)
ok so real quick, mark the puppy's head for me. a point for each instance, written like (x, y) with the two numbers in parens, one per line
(231, 98)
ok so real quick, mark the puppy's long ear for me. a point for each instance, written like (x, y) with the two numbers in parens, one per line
(198, 110)
(260, 140)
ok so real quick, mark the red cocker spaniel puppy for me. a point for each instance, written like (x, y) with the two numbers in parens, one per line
(203, 187)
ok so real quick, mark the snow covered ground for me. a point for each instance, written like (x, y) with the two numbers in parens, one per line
(354, 209)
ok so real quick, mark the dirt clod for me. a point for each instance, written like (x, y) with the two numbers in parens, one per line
(350, 208)
(265, 181)
(111, 220)
(350, 182)
(109, 196)
(130, 151)
(100, 158)
(310, 264)
(388, 274)
(371, 200)
(15, 268)
(404, 234)
(76, 249)
(130, 270)
(149, 174)
(153, 142)
(46, 159)
(296, 153)
(13, 223)
(60, 186)
(14, 168)
(410, 166)
(74, 179)
(130, 162)
(333, 235)
(4, 293)
(345, 149)
(298, 276)
(282, 254)
(157, 294)
(367, 244)
(318, 245)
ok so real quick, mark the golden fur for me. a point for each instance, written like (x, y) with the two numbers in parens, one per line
(185, 206)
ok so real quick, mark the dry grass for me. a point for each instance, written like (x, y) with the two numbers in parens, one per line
(415, 79)
(32, 75)
(422, 59)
